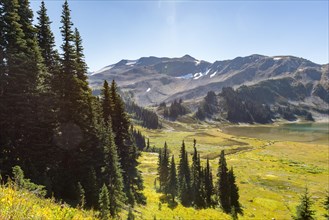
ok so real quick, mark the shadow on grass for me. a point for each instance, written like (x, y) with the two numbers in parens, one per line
(168, 199)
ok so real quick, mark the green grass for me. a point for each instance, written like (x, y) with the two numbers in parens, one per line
(271, 175)
(21, 204)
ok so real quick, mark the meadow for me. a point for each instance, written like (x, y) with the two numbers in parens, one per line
(271, 174)
(21, 204)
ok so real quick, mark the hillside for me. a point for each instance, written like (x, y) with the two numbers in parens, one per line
(153, 80)
(21, 204)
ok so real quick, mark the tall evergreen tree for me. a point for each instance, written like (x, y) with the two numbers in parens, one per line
(104, 202)
(106, 102)
(184, 178)
(23, 76)
(234, 192)
(46, 40)
(196, 178)
(172, 180)
(81, 195)
(164, 169)
(112, 171)
(209, 187)
(76, 135)
(81, 66)
(304, 210)
(127, 150)
(222, 184)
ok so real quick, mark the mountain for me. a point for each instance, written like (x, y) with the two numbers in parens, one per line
(152, 80)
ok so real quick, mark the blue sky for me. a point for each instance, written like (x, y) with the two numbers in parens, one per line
(208, 30)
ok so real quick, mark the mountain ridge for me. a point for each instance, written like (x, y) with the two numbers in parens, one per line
(152, 80)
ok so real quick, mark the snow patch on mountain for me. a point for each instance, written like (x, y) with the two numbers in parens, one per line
(277, 58)
(149, 89)
(187, 76)
(207, 72)
(197, 62)
(131, 62)
(197, 75)
(213, 74)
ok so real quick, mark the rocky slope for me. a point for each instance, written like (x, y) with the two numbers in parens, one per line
(152, 80)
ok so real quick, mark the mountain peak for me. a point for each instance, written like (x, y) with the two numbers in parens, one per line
(188, 57)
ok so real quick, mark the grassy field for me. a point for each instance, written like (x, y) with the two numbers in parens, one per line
(21, 204)
(271, 174)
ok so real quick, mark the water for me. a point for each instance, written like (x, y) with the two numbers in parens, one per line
(317, 133)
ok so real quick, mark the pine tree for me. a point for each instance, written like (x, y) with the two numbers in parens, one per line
(68, 59)
(222, 185)
(148, 144)
(46, 40)
(91, 188)
(209, 187)
(303, 210)
(104, 202)
(196, 179)
(184, 178)
(81, 195)
(81, 66)
(127, 150)
(164, 169)
(159, 168)
(76, 120)
(112, 171)
(172, 180)
(234, 192)
(24, 75)
(106, 102)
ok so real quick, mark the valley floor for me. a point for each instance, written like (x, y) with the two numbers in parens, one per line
(271, 174)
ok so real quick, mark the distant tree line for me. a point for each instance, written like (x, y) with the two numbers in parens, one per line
(241, 106)
(193, 184)
(208, 107)
(177, 108)
(78, 146)
(148, 118)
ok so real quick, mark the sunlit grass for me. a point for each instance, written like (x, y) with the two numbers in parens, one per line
(21, 204)
(271, 175)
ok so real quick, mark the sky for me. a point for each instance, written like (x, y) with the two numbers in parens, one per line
(207, 30)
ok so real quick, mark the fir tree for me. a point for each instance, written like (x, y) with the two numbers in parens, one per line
(46, 40)
(68, 59)
(106, 102)
(234, 192)
(81, 66)
(127, 150)
(76, 120)
(172, 180)
(24, 74)
(196, 178)
(164, 169)
(209, 187)
(148, 144)
(81, 195)
(303, 210)
(184, 177)
(222, 184)
(112, 172)
(159, 168)
(104, 202)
